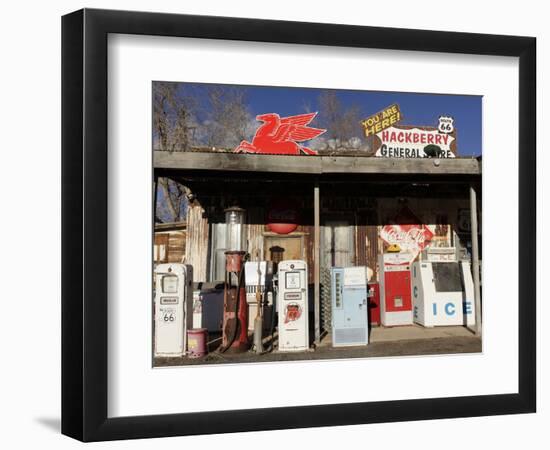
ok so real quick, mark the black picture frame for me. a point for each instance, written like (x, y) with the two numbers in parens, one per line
(84, 224)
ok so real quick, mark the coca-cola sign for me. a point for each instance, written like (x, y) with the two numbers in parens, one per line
(283, 216)
(410, 238)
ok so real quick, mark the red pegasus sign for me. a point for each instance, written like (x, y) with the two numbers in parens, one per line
(281, 135)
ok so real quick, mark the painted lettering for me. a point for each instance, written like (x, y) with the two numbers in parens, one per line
(409, 143)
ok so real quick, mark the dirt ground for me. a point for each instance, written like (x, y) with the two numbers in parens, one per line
(387, 342)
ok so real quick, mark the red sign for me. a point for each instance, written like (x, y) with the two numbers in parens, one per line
(281, 135)
(293, 312)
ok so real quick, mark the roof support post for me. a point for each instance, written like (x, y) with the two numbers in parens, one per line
(316, 261)
(155, 196)
(475, 258)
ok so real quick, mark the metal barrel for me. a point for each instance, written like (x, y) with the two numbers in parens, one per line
(197, 339)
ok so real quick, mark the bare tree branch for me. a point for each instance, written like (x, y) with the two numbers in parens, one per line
(341, 123)
(228, 117)
(172, 117)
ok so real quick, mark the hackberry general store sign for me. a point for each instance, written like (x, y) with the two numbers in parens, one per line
(414, 142)
(390, 139)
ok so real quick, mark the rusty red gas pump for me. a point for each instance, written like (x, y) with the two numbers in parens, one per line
(235, 307)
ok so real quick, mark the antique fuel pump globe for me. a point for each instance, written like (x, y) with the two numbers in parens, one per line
(236, 237)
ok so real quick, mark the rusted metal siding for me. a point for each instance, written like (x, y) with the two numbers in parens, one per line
(371, 244)
(441, 214)
(366, 248)
(197, 242)
(360, 245)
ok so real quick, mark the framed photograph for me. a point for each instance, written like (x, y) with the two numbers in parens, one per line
(273, 225)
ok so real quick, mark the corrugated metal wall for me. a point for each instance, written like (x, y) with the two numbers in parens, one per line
(197, 242)
(255, 228)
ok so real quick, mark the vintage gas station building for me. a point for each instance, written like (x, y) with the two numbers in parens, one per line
(326, 210)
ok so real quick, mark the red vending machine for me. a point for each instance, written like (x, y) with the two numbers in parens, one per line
(374, 303)
(395, 289)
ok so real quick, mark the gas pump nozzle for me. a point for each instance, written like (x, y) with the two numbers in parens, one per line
(275, 290)
(258, 320)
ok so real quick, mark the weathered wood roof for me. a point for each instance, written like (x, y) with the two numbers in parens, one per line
(314, 165)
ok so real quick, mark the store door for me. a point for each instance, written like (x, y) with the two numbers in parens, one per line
(337, 244)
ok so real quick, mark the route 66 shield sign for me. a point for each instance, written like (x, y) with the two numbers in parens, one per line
(446, 124)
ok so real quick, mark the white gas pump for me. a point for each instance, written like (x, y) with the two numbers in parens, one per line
(442, 289)
(173, 308)
(292, 299)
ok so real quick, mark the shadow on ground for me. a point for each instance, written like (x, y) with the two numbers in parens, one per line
(434, 346)
(53, 423)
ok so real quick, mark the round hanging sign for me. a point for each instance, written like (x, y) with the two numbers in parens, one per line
(282, 217)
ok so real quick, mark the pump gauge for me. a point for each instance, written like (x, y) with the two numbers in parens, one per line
(292, 280)
(170, 284)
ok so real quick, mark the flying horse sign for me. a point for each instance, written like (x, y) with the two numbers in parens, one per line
(282, 136)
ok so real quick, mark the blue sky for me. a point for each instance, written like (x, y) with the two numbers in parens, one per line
(420, 109)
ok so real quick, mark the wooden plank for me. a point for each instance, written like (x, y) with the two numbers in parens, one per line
(314, 165)
(294, 233)
(236, 162)
(372, 165)
(169, 226)
(196, 249)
